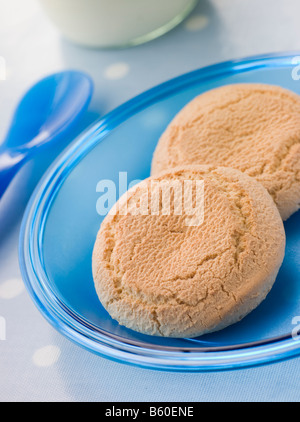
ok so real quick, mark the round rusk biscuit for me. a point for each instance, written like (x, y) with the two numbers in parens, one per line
(189, 263)
(254, 128)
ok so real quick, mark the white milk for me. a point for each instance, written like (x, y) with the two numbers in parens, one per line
(114, 23)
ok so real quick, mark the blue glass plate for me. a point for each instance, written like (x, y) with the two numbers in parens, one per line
(61, 223)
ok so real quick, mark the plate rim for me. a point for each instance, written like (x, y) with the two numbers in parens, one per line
(160, 357)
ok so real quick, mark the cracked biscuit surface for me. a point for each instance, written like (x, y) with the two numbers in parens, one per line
(254, 128)
(160, 276)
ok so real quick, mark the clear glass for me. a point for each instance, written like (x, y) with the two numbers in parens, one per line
(61, 222)
(116, 23)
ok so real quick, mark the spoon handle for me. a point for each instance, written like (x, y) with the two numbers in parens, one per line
(9, 166)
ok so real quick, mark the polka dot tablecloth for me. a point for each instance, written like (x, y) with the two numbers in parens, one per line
(116, 71)
(36, 362)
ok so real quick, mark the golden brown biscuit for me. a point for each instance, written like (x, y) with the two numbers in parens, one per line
(159, 275)
(254, 128)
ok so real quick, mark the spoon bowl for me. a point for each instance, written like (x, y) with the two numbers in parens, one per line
(46, 112)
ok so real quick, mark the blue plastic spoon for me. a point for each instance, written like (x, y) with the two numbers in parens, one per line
(48, 110)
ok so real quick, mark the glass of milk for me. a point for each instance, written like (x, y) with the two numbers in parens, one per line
(115, 23)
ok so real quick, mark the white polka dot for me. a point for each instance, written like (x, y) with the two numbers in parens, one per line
(196, 23)
(11, 288)
(155, 118)
(46, 356)
(116, 71)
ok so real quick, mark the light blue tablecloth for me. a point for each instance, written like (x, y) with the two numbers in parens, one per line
(36, 362)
